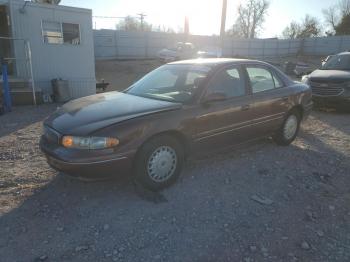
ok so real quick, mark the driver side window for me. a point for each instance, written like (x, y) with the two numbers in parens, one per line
(228, 82)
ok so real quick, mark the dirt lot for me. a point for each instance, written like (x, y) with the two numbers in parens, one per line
(121, 74)
(259, 203)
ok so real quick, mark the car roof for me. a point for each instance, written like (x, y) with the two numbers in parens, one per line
(212, 61)
(344, 53)
(217, 62)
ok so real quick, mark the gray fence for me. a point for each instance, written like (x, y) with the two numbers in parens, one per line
(122, 44)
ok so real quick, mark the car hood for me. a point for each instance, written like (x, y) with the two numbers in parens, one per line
(337, 75)
(88, 114)
(167, 52)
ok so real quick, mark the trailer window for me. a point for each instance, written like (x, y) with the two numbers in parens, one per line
(71, 33)
(61, 33)
(52, 32)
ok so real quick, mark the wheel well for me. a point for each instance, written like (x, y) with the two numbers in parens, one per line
(299, 109)
(173, 133)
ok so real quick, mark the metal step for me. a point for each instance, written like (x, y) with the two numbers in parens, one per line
(21, 92)
(25, 97)
(15, 83)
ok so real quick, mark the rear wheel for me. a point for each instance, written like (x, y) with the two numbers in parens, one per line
(159, 162)
(289, 129)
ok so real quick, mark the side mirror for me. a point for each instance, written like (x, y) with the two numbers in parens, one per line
(214, 97)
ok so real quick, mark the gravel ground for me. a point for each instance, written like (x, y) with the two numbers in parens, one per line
(260, 202)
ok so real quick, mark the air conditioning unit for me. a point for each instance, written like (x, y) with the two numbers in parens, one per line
(52, 2)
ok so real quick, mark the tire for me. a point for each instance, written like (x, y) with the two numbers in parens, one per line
(159, 162)
(289, 129)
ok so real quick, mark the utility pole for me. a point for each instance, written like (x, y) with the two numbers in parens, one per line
(223, 23)
(142, 18)
(187, 28)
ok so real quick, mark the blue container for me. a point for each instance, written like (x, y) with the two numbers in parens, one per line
(6, 88)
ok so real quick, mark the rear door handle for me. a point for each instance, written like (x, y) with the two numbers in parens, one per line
(285, 98)
(245, 107)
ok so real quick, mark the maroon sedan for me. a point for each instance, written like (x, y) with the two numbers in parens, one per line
(177, 110)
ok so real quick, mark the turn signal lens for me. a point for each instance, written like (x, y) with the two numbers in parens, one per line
(67, 141)
(112, 142)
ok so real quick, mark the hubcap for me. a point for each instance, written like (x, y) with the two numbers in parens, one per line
(162, 164)
(290, 127)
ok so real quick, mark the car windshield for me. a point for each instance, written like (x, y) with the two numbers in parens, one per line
(337, 62)
(175, 83)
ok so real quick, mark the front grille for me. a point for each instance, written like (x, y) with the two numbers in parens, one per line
(51, 135)
(326, 88)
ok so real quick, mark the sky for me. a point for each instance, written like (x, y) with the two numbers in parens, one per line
(204, 15)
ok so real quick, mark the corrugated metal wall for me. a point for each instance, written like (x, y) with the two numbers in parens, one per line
(75, 63)
(326, 45)
(122, 44)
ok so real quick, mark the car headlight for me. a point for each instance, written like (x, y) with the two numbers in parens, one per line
(89, 142)
(305, 79)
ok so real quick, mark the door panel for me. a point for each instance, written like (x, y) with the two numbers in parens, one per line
(270, 99)
(223, 123)
(269, 110)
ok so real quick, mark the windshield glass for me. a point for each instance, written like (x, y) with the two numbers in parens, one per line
(175, 83)
(337, 62)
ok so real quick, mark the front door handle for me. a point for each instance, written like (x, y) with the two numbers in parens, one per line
(245, 107)
(285, 98)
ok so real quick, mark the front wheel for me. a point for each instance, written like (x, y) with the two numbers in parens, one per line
(289, 130)
(159, 162)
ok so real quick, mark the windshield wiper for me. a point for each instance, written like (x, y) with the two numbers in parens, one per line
(161, 97)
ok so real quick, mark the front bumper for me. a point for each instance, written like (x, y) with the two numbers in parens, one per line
(336, 101)
(89, 164)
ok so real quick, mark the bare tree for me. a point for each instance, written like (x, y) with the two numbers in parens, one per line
(164, 29)
(309, 27)
(331, 17)
(344, 7)
(235, 31)
(343, 28)
(292, 31)
(130, 23)
(251, 16)
(335, 15)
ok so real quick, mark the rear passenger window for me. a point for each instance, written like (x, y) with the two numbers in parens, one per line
(229, 82)
(278, 82)
(260, 79)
